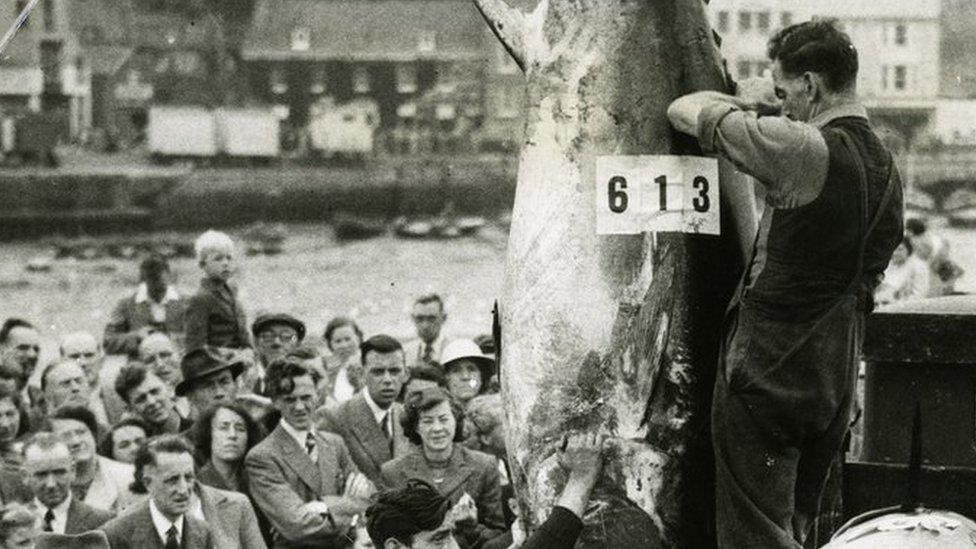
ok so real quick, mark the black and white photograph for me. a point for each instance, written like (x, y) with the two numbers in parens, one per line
(487, 274)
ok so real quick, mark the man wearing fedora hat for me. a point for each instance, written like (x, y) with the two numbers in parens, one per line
(275, 335)
(467, 369)
(209, 377)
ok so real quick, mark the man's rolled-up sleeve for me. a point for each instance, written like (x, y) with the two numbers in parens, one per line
(788, 158)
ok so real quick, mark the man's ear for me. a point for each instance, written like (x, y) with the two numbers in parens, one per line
(815, 85)
(393, 543)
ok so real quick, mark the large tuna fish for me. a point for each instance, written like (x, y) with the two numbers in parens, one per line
(618, 334)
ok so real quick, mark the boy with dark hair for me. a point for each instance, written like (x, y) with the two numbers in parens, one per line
(833, 217)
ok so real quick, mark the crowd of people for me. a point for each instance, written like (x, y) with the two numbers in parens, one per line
(189, 425)
(921, 267)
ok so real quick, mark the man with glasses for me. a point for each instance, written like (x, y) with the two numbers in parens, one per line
(428, 316)
(275, 335)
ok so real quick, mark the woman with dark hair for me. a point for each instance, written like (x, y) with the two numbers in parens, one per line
(124, 439)
(468, 478)
(224, 435)
(344, 366)
(14, 424)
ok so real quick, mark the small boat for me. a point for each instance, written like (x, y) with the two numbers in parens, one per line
(350, 227)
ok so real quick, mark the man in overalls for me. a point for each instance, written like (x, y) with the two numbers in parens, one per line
(785, 388)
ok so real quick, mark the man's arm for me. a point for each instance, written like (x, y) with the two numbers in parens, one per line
(584, 459)
(287, 511)
(788, 158)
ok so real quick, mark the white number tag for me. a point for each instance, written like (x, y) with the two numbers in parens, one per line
(657, 193)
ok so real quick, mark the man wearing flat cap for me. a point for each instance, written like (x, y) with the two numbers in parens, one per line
(275, 335)
(209, 376)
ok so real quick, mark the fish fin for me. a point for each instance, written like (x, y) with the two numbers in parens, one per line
(508, 25)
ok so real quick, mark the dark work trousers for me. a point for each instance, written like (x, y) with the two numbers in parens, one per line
(781, 408)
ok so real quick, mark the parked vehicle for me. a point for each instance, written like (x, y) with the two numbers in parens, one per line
(346, 130)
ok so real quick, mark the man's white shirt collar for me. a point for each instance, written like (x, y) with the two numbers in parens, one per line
(299, 436)
(163, 524)
(378, 413)
(142, 294)
(60, 522)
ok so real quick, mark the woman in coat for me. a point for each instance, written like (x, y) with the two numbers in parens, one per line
(468, 478)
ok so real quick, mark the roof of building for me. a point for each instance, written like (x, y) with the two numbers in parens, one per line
(391, 30)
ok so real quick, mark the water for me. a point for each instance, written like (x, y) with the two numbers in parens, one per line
(314, 279)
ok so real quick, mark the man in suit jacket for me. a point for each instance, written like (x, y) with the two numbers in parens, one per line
(49, 468)
(428, 316)
(304, 481)
(231, 518)
(155, 306)
(163, 521)
(369, 423)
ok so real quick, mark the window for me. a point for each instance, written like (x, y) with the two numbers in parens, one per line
(901, 77)
(743, 69)
(19, 6)
(277, 80)
(745, 21)
(762, 21)
(785, 19)
(406, 78)
(300, 39)
(360, 80)
(317, 86)
(884, 77)
(427, 41)
(723, 21)
(49, 20)
(407, 110)
(901, 34)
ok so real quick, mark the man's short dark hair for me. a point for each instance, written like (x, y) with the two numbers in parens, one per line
(74, 413)
(816, 46)
(9, 325)
(129, 378)
(402, 514)
(304, 352)
(282, 373)
(147, 453)
(430, 298)
(153, 265)
(916, 226)
(382, 344)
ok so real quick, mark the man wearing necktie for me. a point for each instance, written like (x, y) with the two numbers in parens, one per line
(50, 472)
(428, 316)
(369, 422)
(303, 480)
(163, 522)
